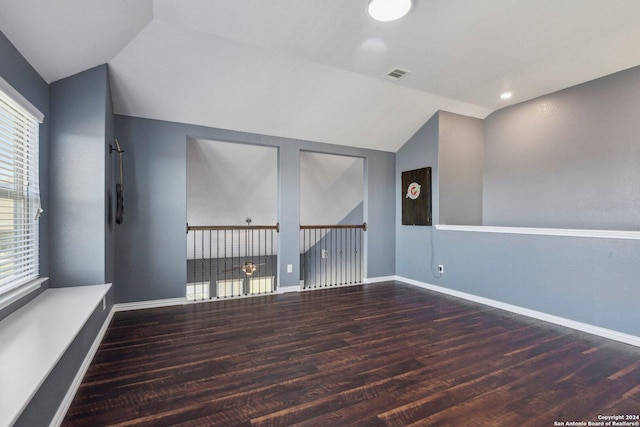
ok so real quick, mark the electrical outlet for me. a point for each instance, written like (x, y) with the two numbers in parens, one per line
(325, 254)
(289, 268)
(441, 269)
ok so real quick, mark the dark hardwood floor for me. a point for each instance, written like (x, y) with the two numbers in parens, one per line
(372, 355)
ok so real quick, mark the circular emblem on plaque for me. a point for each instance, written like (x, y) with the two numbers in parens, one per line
(413, 191)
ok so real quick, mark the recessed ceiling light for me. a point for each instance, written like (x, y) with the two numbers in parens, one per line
(388, 10)
(506, 95)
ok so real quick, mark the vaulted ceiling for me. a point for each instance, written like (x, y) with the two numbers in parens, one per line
(312, 69)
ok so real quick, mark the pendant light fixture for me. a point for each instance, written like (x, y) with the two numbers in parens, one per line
(388, 10)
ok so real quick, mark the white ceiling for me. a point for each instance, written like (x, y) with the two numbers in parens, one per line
(311, 69)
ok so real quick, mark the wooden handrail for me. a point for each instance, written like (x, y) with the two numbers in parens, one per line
(335, 226)
(276, 227)
(232, 227)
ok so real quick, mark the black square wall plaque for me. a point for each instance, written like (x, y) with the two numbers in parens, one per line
(416, 197)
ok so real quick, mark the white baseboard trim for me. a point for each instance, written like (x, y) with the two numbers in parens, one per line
(584, 327)
(286, 289)
(77, 380)
(598, 234)
(368, 280)
(140, 305)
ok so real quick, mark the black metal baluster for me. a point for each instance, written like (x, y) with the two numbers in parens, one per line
(194, 264)
(356, 233)
(347, 260)
(361, 232)
(274, 272)
(201, 264)
(242, 290)
(247, 261)
(319, 245)
(355, 256)
(323, 242)
(307, 261)
(351, 272)
(217, 263)
(340, 249)
(323, 255)
(260, 270)
(356, 279)
(251, 249)
(338, 259)
(266, 272)
(346, 257)
(226, 268)
(330, 258)
(345, 245)
(240, 262)
(358, 252)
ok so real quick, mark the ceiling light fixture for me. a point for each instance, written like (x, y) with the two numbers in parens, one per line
(388, 10)
(506, 95)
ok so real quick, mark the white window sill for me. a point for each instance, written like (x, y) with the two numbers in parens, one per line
(21, 292)
(36, 337)
(567, 232)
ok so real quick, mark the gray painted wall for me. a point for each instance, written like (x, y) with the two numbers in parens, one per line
(461, 164)
(289, 213)
(151, 244)
(413, 242)
(77, 179)
(380, 214)
(17, 72)
(567, 160)
(589, 280)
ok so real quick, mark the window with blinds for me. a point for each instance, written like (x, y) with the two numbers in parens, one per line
(19, 195)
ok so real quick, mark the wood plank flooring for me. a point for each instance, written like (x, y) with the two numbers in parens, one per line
(385, 354)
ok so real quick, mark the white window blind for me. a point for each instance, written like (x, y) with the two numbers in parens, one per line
(19, 195)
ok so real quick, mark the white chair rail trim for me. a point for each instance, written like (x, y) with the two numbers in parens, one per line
(567, 232)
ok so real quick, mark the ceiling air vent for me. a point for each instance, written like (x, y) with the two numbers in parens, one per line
(395, 74)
